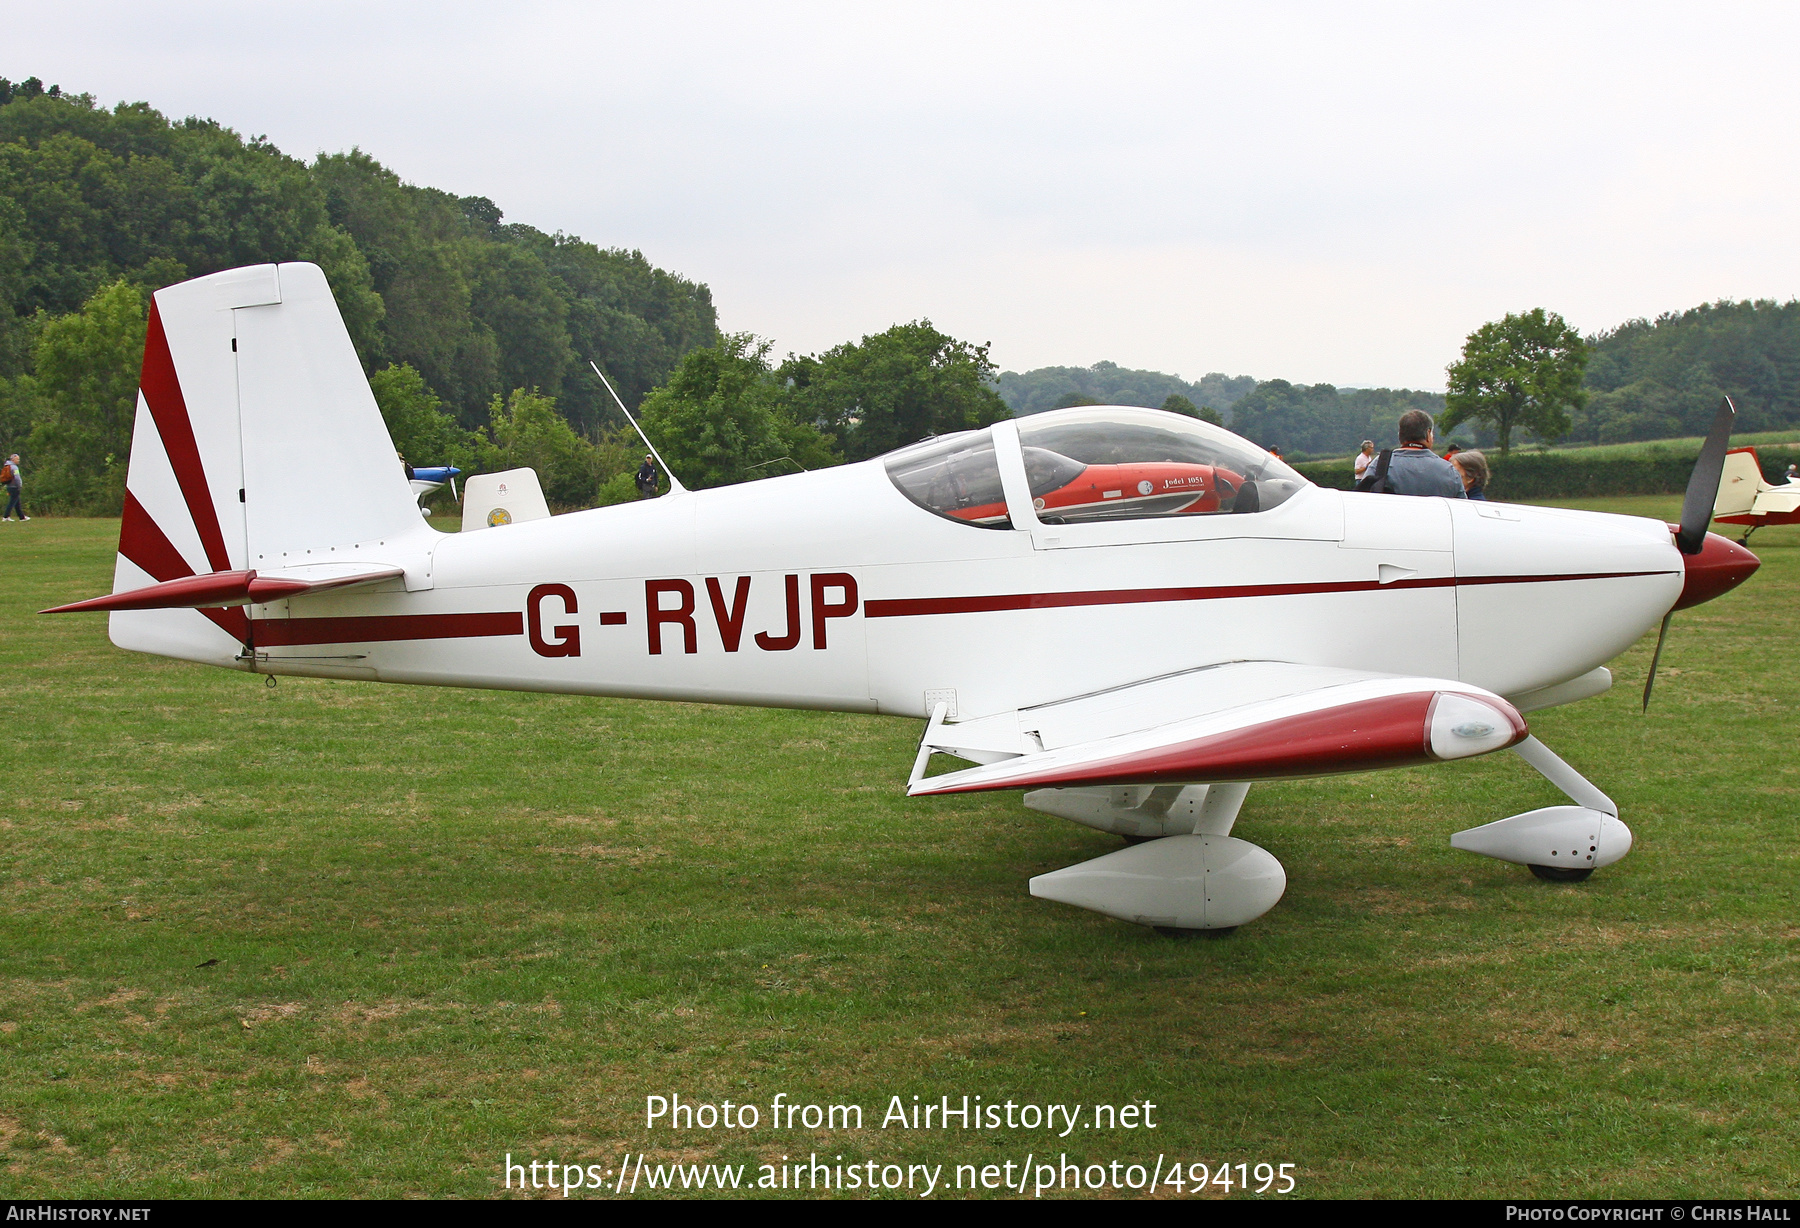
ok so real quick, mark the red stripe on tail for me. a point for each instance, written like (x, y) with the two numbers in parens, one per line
(162, 393)
(142, 541)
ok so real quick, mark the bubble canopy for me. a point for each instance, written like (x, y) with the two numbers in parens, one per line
(1106, 462)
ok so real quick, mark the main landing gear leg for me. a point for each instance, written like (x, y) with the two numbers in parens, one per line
(1560, 844)
(1184, 873)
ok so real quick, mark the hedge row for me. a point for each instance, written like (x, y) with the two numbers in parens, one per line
(1567, 475)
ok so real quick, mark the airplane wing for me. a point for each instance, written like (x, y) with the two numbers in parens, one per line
(225, 588)
(1237, 721)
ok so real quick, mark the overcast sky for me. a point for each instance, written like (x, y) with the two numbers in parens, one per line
(1316, 192)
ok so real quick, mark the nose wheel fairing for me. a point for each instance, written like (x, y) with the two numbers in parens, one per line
(1567, 840)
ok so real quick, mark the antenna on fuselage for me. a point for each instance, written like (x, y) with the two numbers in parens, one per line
(675, 486)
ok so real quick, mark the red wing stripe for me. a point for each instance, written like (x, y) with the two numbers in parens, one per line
(1389, 732)
(162, 393)
(276, 632)
(909, 606)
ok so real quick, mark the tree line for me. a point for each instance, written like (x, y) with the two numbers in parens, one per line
(1107, 383)
(1526, 378)
(1661, 378)
(475, 333)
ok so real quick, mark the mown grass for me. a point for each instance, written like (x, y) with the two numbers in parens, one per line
(344, 939)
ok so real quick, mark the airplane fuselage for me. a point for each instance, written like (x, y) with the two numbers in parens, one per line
(831, 590)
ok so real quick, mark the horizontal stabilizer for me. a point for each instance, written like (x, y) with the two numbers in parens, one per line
(226, 588)
(1285, 721)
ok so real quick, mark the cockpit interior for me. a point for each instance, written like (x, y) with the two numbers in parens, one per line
(1105, 462)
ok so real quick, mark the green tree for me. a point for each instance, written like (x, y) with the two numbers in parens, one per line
(87, 367)
(512, 296)
(422, 432)
(722, 418)
(1298, 417)
(1522, 372)
(1107, 383)
(894, 388)
(15, 258)
(528, 433)
(632, 318)
(1175, 403)
(21, 408)
(1677, 366)
(423, 277)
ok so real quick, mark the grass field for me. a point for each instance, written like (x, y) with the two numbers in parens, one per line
(342, 939)
(1687, 446)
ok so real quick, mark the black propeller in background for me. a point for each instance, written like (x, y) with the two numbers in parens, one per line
(1696, 510)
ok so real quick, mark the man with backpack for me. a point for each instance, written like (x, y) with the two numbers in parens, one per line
(1413, 468)
(11, 478)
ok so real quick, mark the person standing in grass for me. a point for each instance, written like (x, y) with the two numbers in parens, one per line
(14, 480)
(1365, 458)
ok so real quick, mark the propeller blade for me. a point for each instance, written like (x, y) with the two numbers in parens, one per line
(1655, 657)
(1703, 483)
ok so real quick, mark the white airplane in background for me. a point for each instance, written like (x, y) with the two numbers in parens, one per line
(1745, 497)
(1133, 614)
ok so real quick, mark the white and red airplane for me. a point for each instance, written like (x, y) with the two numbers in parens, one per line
(1746, 498)
(1133, 614)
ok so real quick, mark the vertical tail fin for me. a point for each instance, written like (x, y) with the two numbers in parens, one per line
(257, 445)
(1740, 483)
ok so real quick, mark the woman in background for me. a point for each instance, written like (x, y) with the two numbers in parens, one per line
(1365, 458)
(1474, 469)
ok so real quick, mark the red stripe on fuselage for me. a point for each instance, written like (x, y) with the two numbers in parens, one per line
(273, 632)
(905, 607)
(162, 393)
